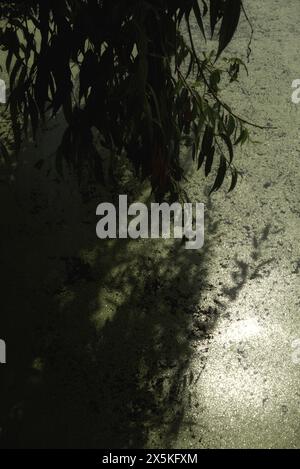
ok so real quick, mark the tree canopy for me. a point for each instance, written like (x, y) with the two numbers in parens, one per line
(143, 83)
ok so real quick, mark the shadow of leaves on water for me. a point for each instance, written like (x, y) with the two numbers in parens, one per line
(101, 332)
(249, 271)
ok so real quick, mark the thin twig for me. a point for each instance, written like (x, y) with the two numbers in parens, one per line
(224, 105)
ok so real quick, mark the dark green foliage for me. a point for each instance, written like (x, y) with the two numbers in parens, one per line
(142, 84)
